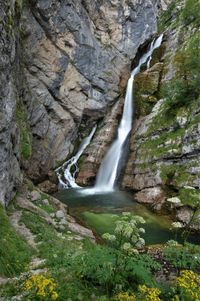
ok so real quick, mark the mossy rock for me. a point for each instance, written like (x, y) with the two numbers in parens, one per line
(147, 82)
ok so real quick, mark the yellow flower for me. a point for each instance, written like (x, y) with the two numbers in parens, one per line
(125, 296)
(54, 296)
(41, 286)
(189, 283)
(149, 293)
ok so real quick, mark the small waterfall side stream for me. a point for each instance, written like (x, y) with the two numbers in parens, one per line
(65, 176)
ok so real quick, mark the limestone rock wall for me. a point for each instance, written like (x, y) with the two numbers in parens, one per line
(9, 133)
(165, 147)
(63, 65)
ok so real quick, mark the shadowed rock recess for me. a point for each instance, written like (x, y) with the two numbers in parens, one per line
(64, 64)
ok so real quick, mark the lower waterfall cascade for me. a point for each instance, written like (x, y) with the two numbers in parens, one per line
(107, 174)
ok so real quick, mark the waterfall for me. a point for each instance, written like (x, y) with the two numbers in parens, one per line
(65, 176)
(107, 174)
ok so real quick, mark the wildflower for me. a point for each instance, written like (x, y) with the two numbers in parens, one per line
(172, 243)
(141, 230)
(41, 286)
(189, 283)
(177, 225)
(149, 293)
(125, 296)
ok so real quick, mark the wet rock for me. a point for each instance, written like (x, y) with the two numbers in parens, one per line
(155, 196)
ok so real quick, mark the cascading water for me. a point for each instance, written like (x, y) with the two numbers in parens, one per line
(107, 174)
(65, 176)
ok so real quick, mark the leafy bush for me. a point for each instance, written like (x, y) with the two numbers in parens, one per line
(119, 265)
(113, 270)
(183, 257)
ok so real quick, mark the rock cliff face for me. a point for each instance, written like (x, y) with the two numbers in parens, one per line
(64, 64)
(9, 133)
(165, 148)
(75, 54)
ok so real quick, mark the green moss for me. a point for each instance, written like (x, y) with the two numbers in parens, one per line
(191, 13)
(176, 175)
(25, 132)
(167, 17)
(156, 148)
(15, 254)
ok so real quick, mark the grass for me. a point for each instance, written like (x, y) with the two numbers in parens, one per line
(58, 249)
(15, 253)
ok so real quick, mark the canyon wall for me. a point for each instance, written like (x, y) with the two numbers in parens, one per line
(64, 65)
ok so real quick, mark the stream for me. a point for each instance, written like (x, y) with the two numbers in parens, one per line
(99, 212)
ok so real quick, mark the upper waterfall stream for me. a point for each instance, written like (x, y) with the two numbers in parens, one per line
(109, 168)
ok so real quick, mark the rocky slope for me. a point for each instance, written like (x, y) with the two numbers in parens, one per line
(63, 65)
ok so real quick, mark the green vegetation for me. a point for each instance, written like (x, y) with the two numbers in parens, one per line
(183, 257)
(185, 87)
(25, 132)
(15, 254)
(81, 270)
(176, 175)
(191, 13)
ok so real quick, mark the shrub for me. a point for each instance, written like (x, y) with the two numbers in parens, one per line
(183, 257)
(119, 265)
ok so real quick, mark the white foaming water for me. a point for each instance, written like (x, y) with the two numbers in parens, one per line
(65, 176)
(107, 174)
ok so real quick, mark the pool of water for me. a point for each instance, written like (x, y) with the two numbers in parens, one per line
(99, 212)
